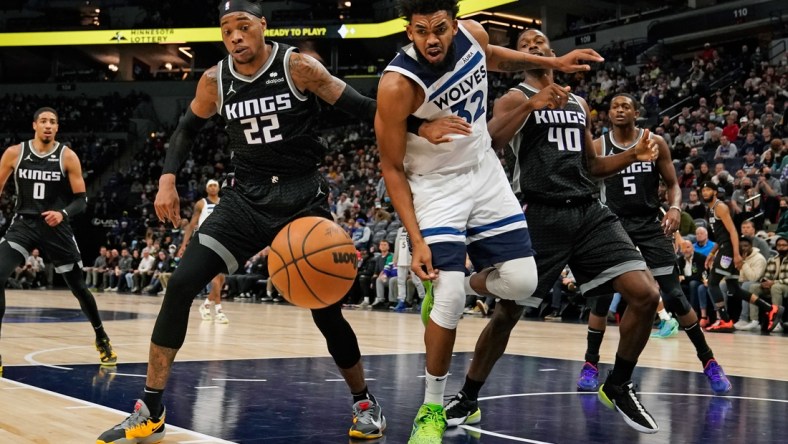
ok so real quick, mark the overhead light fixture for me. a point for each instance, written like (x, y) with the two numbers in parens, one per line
(514, 17)
(347, 4)
(113, 67)
(494, 22)
(186, 51)
(168, 66)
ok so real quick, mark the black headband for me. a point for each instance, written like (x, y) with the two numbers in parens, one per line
(248, 6)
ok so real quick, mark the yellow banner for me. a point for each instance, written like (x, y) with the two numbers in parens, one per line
(196, 35)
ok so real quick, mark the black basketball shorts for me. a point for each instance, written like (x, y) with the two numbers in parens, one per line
(657, 249)
(56, 243)
(249, 215)
(589, 238)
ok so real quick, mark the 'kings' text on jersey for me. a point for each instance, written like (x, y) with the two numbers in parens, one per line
(41, 183)
(269, 121)
(634, 191)
(546, 157)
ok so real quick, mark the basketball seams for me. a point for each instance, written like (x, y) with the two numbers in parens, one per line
(295, 262)
(309, 276)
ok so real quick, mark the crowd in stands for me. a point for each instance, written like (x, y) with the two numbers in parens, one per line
(730, 132)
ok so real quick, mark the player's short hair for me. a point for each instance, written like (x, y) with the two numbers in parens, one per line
(43, 110)
(522, 33)
(635, 102)
(410, 7)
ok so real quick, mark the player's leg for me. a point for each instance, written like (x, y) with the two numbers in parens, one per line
(597, 324)
(11, 255)
(676, 301)
(169, 332)
(214, 299)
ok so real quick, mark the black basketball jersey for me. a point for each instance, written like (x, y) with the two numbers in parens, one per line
(635, 190)
(41, 181)
(270, 122)
(546, 157)
(721, 235)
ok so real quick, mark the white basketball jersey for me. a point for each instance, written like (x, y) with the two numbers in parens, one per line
(207, 209)
(461, 91)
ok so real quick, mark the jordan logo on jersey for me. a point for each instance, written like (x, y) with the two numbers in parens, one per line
(256, 107)
(231, 90)
(44, 176)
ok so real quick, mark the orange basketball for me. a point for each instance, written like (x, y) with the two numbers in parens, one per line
(312, 262)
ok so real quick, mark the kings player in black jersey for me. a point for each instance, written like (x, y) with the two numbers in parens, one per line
(724, 262)
(633, 195)
(268, 94)
(546, 136)
(50, 191)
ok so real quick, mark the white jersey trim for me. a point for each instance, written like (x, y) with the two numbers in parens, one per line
(260, 72)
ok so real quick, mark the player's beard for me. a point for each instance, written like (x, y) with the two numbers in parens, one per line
(708, 200)
(443, 65)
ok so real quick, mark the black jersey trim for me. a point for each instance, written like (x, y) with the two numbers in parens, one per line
(623, 147)
(260, 72)
(45, 155)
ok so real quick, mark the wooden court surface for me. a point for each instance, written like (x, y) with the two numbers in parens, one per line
(258, 331)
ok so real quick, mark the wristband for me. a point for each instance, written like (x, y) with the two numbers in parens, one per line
(674, 207)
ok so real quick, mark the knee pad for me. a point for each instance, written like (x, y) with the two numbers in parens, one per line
(600, 305)
(674, 298)
(449, 299)
(514, 280)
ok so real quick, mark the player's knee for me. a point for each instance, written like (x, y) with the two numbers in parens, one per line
(515, 279)
(601, 305)
(449, 299)
(677, 302)
(506, 315)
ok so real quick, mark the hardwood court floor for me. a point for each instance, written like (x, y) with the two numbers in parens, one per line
(54, 392)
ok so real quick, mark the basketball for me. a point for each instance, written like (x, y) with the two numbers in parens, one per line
(312, 262)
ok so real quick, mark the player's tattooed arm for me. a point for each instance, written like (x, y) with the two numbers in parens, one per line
(206, 100)
(310, 75)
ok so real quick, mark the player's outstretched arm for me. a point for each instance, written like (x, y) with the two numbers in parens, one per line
(508, 60)
(310, 75)
(79, 204)
(202, 107)
(397, 98)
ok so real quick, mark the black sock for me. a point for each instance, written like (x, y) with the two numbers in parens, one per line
(471, 388)
(724, 316)
(152, 398)
(622, 371)
(594, 340)
(100, 333)
(699, 341)
(363, 395)
(763, 304)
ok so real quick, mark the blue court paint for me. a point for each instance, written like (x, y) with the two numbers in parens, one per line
(37, 314)
(519, 403)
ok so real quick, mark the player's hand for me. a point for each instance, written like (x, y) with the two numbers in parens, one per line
(709, 262)
(167, 204)
(647, 149)
(573, 61)
(421, 263)
(738, 261)
(52, 218)
(671, 221)
(180, 251)
(553, 96)
(438, 130)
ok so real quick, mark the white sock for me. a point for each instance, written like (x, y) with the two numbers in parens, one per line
(664, 315)
(269, 293)
(207, 303)
(434, 388)
(218, 307)
(366, 300)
